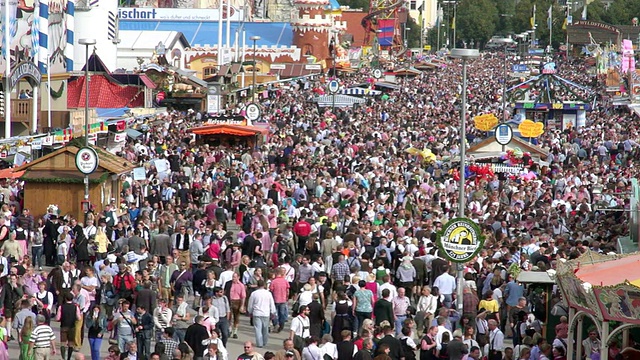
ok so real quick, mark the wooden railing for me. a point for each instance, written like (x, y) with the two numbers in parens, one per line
(21, 110)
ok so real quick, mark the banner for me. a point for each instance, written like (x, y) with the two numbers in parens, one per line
(386, 28)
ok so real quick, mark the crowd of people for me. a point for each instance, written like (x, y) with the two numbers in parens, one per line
(325, 231)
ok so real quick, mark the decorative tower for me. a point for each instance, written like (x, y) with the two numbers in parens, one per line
(311, 28)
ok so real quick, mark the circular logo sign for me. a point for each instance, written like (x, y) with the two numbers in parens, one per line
(87, 160)
(503, 134)
(226, 8)
(253, 111)
(377, 73)
(334, 86)
(460, 240)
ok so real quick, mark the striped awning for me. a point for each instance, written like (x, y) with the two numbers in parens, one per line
(359, 91)
(339, 101)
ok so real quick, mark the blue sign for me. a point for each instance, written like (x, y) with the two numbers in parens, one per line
(503, 134)
(519, 68)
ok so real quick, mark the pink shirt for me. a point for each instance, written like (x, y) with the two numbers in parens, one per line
(280, 290)
(237, 291)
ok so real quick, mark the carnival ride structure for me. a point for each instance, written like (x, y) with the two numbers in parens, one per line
(384, 22)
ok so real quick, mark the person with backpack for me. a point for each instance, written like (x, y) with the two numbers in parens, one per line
(124, 283)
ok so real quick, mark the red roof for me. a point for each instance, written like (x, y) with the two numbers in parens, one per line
(104, 94)
(227, 129)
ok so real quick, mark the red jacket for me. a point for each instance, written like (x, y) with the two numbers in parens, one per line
(129, 282)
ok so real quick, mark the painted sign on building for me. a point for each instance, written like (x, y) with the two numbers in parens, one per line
(161, 14)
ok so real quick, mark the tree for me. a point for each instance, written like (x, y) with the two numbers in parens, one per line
(476, 20)
(595, 12)
(413, 35)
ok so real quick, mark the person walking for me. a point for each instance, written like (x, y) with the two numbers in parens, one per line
(261, 307)
(280, 289)
(96, 323)
(68, 314)
(43, 340)
(144, 330)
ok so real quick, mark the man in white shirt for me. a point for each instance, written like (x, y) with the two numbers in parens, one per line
(386, 279)
(446, 285)
(441, 330)
(261, 308)
(496, 341)
(300, 328)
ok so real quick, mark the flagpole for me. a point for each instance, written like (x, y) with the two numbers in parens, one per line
(7, 70)
(550, 27)
(49, 89)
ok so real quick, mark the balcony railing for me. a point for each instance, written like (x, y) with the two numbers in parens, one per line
(21, 110)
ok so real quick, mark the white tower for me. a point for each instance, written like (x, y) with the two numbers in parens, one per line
(97, 19)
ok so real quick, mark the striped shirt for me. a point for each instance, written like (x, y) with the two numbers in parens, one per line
(42, 336)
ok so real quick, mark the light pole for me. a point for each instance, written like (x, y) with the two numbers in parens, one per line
(86, 43)
(406, 41)
(253, 87)
(465, 55)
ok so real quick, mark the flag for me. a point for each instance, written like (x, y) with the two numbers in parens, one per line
(386, 28)
(533, 17)
(550, 16)
(453, 23)
(584, 12)
(43, 38)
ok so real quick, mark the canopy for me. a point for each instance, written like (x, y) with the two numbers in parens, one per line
(225, 129)
(359, 91)
(10, 174)
(609, 273)
(339, 101)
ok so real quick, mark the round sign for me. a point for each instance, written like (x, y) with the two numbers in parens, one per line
(377, 73)
(87, 160)
(334, 86)
(253, 111)
(503, 134)
(460, 240)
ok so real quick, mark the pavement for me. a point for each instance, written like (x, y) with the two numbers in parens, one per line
(234, 346)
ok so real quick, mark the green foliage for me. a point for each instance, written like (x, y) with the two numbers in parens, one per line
(57, 180)
(355, 4)
(476, 20)
(413, 35)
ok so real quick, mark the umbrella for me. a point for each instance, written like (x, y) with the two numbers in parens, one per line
(331, 212)
(348, 193)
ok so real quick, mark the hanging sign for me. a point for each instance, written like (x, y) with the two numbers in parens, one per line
(87, 160)
(503, 134)
(252, 112)
(460, 240)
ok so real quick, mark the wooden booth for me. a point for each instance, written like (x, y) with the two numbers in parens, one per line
(230, 131)
(54, 179)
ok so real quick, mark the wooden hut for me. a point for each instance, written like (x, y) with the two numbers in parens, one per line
(54, 179)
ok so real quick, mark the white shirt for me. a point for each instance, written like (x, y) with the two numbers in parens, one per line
(442, 330)
(496, 340)
(261, 303)
(300, 326)
(224, 277)
(391, 288)
(289, 272)
(446, 284)
(330, 349)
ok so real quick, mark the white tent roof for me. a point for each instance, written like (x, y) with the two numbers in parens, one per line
(339, 101)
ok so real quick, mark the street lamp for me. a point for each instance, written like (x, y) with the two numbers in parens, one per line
(465, 55)
(254, 39)
(86, 43)
(406, 42)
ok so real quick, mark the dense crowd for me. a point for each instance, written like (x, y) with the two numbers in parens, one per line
(326, 231)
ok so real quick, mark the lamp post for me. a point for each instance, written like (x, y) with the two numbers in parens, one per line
(406, 42)
(504, 87)
(465, 55)
(86, 43)
(253, 87)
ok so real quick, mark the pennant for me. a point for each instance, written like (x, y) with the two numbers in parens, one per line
(584, 12)
(550, 17)
(532, 21)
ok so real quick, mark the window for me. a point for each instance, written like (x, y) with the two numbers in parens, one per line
(413, 5)
(208, 71)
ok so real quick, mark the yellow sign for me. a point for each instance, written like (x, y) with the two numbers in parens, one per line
(427, 47)
(531, 129)
(485, 122)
